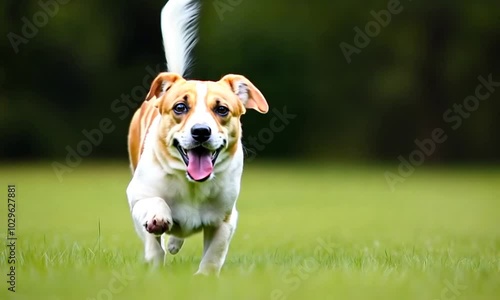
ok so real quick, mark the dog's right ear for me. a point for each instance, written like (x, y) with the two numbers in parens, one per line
(161, 84)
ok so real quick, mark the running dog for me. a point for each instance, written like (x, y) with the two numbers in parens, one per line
(185, 150)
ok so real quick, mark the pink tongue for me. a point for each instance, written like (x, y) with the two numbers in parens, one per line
(200, 164)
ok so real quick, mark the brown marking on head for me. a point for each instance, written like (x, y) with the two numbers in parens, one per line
(221, 103)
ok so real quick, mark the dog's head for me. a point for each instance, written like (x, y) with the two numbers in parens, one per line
(200, 120)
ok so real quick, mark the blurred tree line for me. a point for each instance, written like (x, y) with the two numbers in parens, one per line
(66, 77)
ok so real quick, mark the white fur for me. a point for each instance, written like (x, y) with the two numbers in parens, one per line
(178, 26)
(241, 90)
(201, 94)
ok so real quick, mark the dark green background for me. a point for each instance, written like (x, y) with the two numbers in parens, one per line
(394, 91)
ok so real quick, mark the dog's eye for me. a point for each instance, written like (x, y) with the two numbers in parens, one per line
(222, 111)
(180, 108)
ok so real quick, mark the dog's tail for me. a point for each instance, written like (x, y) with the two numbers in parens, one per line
(179, 30)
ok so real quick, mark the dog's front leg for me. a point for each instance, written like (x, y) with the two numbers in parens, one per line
(216, 244)
(152, 217)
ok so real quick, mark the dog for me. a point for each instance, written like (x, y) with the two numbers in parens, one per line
(185, 150)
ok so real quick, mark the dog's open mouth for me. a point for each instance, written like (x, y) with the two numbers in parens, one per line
(200, 161)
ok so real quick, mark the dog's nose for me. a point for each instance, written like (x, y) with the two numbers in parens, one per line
(201, 133)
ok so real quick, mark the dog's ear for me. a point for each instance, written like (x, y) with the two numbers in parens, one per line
(247, 92)
(161, 84)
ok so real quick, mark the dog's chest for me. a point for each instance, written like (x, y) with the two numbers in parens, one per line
(195, 206)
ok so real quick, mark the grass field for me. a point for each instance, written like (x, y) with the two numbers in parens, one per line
(305, 232)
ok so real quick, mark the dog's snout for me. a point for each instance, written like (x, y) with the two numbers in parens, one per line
(201, 133)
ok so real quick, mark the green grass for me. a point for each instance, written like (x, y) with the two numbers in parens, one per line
(305, 232)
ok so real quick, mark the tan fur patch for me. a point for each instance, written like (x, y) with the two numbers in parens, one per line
(139, 126)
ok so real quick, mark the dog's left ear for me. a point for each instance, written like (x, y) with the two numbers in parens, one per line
(247, 92)
(162, 83)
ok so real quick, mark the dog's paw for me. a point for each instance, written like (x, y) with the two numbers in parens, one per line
(208, 270)
(158, 224)
(174, 244)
